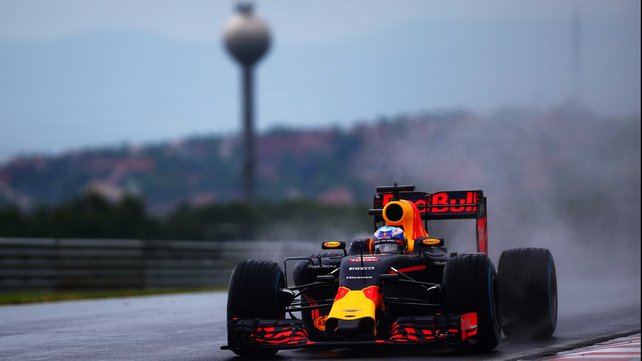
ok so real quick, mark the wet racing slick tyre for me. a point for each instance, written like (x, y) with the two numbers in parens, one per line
(469, 285)
(528, 290)
(254, 293)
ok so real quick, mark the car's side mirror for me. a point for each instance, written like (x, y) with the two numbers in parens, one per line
(429, 241)
(334, 245)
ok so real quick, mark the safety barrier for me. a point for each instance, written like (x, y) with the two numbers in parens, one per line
(56, 264)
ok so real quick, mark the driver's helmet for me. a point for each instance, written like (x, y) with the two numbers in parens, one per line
(389, 240)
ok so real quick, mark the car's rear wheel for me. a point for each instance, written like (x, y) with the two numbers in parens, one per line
(528, 290)
(469, 286)
(254, 293)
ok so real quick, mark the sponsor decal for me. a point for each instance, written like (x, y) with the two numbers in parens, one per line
(386, 241)
(351, 311)
(358, 277)
(365, 259)
(361, 268)
(431, 241)
(319, 322)
(383, 234)
(331, 244)
(322, 266)
(443, 202)
(443, 199)
(468, 325)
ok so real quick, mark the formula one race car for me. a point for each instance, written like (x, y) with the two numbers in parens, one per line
(399, 287)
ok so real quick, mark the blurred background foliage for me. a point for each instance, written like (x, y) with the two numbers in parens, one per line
(93, 216)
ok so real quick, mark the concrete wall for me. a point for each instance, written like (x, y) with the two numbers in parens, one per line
(56, 264)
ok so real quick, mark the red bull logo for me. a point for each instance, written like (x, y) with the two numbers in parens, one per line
(450, 203)
(319, 322)
(444, 202)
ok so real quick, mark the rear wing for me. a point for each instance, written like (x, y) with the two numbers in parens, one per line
(469, 204)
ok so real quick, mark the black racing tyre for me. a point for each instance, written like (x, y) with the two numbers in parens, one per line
(528, 290)
(254, 293)
(469, 285)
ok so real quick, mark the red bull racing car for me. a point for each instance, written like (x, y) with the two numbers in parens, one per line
(399, 287)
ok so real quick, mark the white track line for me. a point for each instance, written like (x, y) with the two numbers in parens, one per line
(626, 348)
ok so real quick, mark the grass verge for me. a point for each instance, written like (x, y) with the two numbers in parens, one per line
(23, 297)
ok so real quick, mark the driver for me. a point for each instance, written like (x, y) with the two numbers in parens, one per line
(389, 240)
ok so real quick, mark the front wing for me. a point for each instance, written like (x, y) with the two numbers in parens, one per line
(290, 334)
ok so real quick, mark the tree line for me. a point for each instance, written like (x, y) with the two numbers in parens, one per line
(92, 216)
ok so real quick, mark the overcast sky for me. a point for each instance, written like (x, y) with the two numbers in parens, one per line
(77, 72)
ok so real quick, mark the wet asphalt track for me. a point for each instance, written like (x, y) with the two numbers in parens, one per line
(192, 327)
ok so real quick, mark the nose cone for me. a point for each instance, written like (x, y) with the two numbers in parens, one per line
(362, 328)
(353, 313)
(246, 37)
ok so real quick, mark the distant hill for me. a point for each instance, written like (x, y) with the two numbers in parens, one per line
(316, 164)
(540, 152)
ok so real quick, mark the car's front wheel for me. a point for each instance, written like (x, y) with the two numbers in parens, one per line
(254, 293)
(469, 285)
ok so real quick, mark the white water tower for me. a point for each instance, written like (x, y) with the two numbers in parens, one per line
(247, 39)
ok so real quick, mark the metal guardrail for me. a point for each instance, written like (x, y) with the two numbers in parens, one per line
(56, 264)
